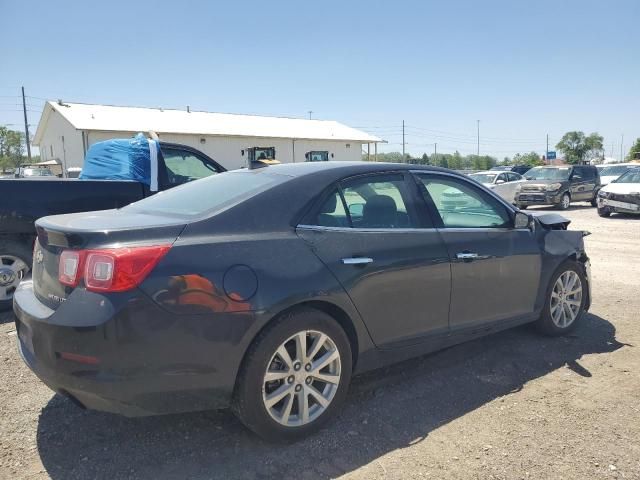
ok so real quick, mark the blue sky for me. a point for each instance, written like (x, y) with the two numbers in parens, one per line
(525, 69)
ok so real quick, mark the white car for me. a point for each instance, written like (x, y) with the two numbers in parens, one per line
(610, 172)
(503, 183)
(622, 195)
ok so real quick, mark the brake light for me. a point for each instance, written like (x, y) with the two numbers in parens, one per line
(69, 267)
(110, 270)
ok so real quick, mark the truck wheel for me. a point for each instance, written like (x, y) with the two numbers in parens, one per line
(565, 202)
(15, 264)
(604, 212)
(294, 377)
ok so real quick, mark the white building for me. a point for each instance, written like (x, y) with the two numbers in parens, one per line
(66, 130)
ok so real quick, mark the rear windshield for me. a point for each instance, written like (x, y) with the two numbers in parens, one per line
(208, 195)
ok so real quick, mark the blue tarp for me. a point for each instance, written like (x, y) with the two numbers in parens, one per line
(121, 159)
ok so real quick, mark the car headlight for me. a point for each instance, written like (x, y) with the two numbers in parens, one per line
(518, 188)
(602, 194)
(552, 187)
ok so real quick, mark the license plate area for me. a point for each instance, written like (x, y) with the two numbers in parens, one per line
(627, 206)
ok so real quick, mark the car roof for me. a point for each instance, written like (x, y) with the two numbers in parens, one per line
(344, 168)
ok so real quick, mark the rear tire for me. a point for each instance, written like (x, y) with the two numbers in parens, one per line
(13, 255)
(306, 403)
(566, 297)
(604, 212)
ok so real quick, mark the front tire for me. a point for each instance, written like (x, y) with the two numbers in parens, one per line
(604, 212)
(295, 376)
(565, 202)
(566, 298)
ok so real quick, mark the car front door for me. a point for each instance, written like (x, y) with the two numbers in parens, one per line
(495, 268)
(389, 259)
(579, 185)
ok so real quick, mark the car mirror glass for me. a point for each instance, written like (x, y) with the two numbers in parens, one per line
(356, 209)
(522, 220)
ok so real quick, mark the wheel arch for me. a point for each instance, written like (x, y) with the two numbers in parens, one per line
(335, 311)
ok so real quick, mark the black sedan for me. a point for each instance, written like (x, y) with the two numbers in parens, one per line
(266, 290)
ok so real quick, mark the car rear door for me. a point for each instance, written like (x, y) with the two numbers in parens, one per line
(393, 264)
(495, 268)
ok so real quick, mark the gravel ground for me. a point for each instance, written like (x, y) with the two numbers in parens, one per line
(510, 406)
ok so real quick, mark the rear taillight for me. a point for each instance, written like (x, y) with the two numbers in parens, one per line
(109, 270)
(70, 267)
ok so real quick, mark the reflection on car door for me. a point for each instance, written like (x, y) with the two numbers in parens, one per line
(495, 268)
(394, 268)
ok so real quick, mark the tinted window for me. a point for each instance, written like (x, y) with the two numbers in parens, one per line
(208, 195)
(461, 205)
(513, 177)
(184, 166)
(332, 212)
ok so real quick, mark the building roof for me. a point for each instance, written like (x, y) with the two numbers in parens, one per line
(139, 119)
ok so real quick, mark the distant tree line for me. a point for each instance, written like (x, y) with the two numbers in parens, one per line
(455, 160)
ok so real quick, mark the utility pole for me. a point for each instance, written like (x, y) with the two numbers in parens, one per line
(621, 145)
(26, 126)
(403, 157)
(435, 151)
(478, 138)
(309, 112)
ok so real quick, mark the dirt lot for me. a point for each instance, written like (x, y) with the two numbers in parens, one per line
(510, 406)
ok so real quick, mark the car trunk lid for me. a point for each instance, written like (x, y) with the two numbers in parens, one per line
(92, 230)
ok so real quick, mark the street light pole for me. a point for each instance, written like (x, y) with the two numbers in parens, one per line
(478, 138)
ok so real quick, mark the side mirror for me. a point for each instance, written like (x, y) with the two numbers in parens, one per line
(356, 209)
(522, 220)
(498, 182)
(242, 153)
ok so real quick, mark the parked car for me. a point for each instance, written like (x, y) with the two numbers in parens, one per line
(621, 195)
(268, 289)
(559, 186)
(610, 172)
(519, 169)
(24, 201)
(502, 183)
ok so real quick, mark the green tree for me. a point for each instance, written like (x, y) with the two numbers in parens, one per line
(579, 148)
(634, 153)
(531, 158)
(11, 148)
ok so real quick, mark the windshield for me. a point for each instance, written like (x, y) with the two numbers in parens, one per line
(546, 173)
(632, 176)
(483, 177)
(613, 170)
(208, 195)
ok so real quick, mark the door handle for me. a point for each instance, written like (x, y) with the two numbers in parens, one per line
(468, 256)
(357, 260)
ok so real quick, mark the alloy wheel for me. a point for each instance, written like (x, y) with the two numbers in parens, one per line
(566, 201)
(566, 299)
(12, 271)
(301, 378)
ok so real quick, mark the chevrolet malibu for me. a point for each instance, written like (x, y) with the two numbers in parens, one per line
(266, 290)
